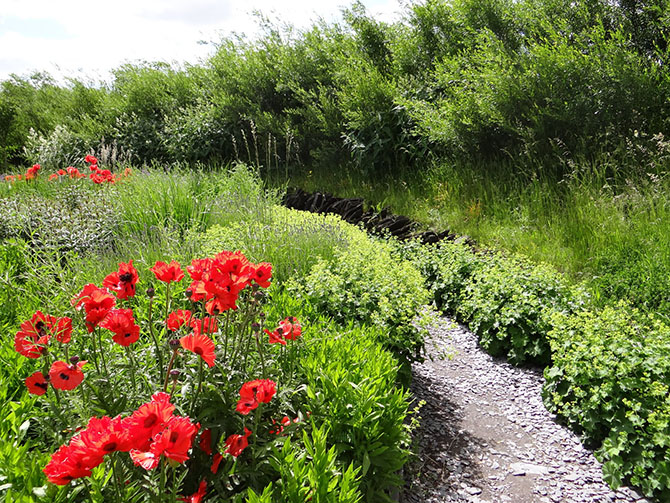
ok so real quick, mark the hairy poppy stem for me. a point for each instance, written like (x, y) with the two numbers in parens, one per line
(159, 354)
(131, 362)
(167, 372)
(197, 391)
(261, 353)
(117, 479)
(167, 301)
(102, 353)
(95, 354)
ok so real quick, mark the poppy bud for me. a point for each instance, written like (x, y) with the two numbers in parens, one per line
(151, 292)
(174, 373)
(261, 315)
(74, 360)
(174, 344)
(255, 325)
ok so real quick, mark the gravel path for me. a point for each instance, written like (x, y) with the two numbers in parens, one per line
(486, 437)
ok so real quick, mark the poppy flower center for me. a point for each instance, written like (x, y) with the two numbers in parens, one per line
(174, 436)
(64, 376)
(126, 277)
(150, 421)
(42, 385)
(198, 350)
(109, 447)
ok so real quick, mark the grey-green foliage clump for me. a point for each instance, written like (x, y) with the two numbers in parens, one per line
(72, 218)
(610, 381)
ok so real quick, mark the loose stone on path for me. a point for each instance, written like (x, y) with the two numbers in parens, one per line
(486, 437)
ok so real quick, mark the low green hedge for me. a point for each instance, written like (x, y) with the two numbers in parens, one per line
(365, 282)
(508, 302)
(447, 268)
(610, 380)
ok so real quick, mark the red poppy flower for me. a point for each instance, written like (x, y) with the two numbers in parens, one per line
(260, 389)
(122, 323)
(37, 383)
(291, 329)
(206, 441)
(65, 376)
(146, 459)
(208, 325)
(53, 176)
(70, 462)
(90, 159)
(198, 495)
(168, 273)
(105, 435)
(246, 405)
(262, 273)
(216, 461)
(149, 420)
(63, 330)
(178, 318)
(235, 444)
(96, 302)
(201, 345)
(123, 281)
(32, 339)
(176, 439)
(275, 337)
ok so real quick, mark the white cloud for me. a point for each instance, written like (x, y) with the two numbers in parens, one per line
(99, 36)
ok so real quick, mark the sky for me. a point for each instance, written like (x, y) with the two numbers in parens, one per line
(85, 39)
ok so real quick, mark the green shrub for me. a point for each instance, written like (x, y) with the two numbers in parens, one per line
(310, 473)
(446, 267)
(364, 282)
(351, 388)
(509, 302)
(609, 381)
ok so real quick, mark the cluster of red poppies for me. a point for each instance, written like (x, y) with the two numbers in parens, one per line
(147, 434)
(30, 174)
(97, 175)
(98, 304)
(152, 430)
(218, 281)
(70, 171)
(32, 341)
(103, 175)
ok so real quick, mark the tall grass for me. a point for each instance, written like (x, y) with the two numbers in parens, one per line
(593, 225)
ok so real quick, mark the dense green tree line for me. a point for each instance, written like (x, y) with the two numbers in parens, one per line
(534, 79)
